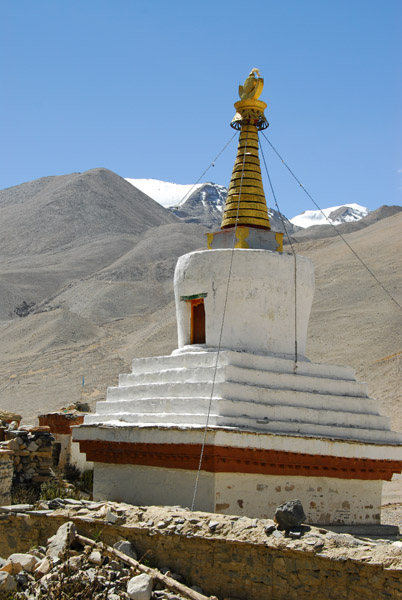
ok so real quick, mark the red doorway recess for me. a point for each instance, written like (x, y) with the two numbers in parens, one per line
(197, 321)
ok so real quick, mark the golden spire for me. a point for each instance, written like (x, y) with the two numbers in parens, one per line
(246, 199)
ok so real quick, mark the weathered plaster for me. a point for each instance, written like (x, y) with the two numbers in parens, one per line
(259, 311)
(325, 500)
(151, 485)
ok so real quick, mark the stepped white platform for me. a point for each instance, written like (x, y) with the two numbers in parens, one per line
(251, 392)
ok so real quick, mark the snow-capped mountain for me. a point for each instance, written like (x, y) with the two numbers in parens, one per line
(336, 215)
(204, 202)
(204, 205)
(166, 193)
(199, 203)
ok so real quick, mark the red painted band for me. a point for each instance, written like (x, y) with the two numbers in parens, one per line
(225, 459)
(61, 423)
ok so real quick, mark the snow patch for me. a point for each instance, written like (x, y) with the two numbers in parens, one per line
(336, 215)
(164, 192)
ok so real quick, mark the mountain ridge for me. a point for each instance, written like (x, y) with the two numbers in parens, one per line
(325, 231)
(76, 207)
(204, 204)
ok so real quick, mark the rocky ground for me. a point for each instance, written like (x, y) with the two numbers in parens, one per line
(391, 514)
(76, 567)
(113, 572)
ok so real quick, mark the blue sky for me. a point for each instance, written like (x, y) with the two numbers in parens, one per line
(146, 89)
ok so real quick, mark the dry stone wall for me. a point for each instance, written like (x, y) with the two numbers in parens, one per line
(227, 556)
(6, 476)
(29, 459)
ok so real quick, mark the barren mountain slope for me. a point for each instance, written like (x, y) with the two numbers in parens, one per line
(353, 321)
(73, 209)
(93, 325)
(57, 229)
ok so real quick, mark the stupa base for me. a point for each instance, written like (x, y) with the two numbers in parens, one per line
(274, 433)
(325, 500)
(242, 473)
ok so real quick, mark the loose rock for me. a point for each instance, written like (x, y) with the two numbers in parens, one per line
(61, 542)
(43, 567)
(26, 561)
(140, 587)
(95, 558)
(290, 514)
(7, 582)
(213, 525)
(125, 547)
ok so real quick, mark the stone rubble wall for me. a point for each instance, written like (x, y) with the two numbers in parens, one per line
(6, 476)
(230, 557)
(29, 454)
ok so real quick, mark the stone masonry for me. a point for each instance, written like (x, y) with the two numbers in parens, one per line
(228, 556)
(6, 475)
(29, 459)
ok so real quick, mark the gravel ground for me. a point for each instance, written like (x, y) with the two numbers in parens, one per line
(391, 514)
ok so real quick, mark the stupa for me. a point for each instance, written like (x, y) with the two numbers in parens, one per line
(238, 413)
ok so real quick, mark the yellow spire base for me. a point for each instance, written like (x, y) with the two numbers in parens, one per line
(245, 203)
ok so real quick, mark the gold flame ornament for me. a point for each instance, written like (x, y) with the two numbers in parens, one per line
(245, 203)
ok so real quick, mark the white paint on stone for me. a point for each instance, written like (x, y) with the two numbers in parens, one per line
(325, 500)
(78, 458)
(250, 393)
(259, 312)
(70, 453)
(138, 485)
(116, 431)
(194, 356)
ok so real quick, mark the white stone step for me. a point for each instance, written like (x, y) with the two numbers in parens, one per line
(248, 424)
(240, 391)
(192, 360)
(175, 407)
(297, 382)
(257, 377)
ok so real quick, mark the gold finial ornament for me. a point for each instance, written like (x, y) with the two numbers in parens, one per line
(252, 87)
(245, 203)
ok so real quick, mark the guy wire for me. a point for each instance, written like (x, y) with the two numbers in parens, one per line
(211, 164)
(334, 226)
(221, 331)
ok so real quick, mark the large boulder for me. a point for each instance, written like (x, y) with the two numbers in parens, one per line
(290, 514)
